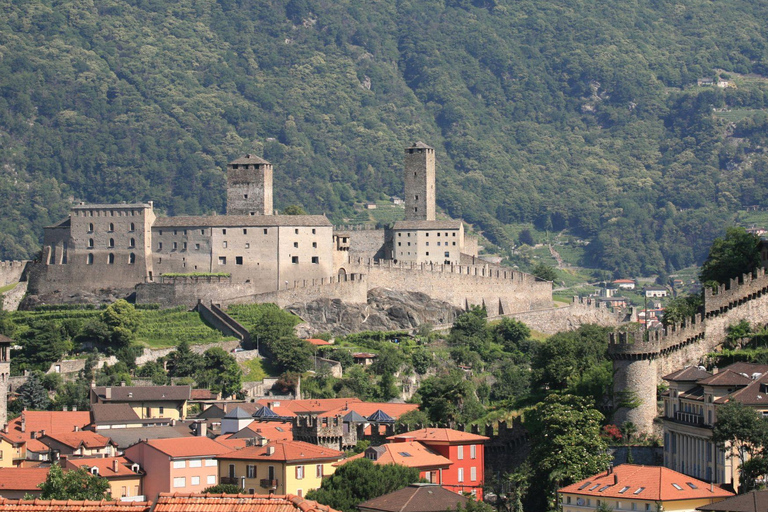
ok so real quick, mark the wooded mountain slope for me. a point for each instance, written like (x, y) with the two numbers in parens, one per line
(568, 113)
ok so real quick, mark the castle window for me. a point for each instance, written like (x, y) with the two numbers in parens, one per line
(89, 259)
(438, 234)
(447, 254)
(399, 234)
(296, 231)
(133, 227)
(427, 253)
(247, 245)
(184, 246)
(202, 231)
(315, 259)
(90, 243)
(399, 244)
(416, 209)
(111, 259)
(294, 259)
(161, 232)
(131, 259)
(185, 232)
(111, 242)
(197, 247)
(234, 166)
(409, 235)
(159, 246)
(111, 226)
(238, 260)
(132, 243)
(245, 196)
(428, 244)
(416, 197)
(159, 260)
(446, 234)
(454, 243)
(314, 244)
(222, 260)
(90, 227)
(223, 231)
(224, 244)
(426, 234)
(175, 246)
(454, 234)
(245, 231)
(296, 244)
(314, 231)
(266, 231)
(409, 244)
(175, 232)
(438, 244)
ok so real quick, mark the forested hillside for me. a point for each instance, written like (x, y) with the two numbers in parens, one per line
(582, 114)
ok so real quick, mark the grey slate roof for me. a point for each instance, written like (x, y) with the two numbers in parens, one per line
(427, 224)
(248, 159)
(753, 501)
(237, 414)
(416, 498)
(125, 437)
(381, 417)
(246, 221)
(420, 145)
(113, 413)
(142, 393)
(265, 412)
(353, 417)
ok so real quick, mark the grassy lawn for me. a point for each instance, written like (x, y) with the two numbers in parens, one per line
(253, 370)
(7, 287)
(737, 114)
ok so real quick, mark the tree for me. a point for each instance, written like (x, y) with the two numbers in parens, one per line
(361, 480)
(220, 372)
(182, 362)
(545, 272)
(731, 256)
(294, 210)
(564, 357)
(566, 446)
(223, 489)
(32, 395)
(682, 309)
(75, 484)
(742, 432)
(449, 397)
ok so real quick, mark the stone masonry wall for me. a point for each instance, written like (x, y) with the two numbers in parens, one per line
(569, 318)
(11, 271)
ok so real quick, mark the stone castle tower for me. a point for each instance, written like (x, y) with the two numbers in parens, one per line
(5, 374)
(249, 186)
(419, 182)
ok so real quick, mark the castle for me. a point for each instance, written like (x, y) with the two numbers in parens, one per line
(252, 254)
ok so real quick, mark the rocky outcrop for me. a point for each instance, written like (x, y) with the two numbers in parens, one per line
(386, 310)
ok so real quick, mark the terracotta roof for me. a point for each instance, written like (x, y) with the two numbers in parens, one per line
(226, 221)
(284, 451)
(75, 439)
(747, 368)
(106, 465)
(230, 442)
(365, 409)
(416, 498)
(113, 413)
(317, 405)
(168, 502)
(21, 479)
(318, 342)
(411, 454)
(726, 378)
(627, 281)
(35, 445)
(271, 430)
(49, 421)
(689, 374)
(142, 393)
(753, 501)
(188, 446)
(5, 339)
(203, 394)
(439, 436)
(427, 224)
(249, 159)
(697, 393)
(73, 506)
(629, 481)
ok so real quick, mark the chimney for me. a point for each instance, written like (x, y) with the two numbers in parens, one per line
(202, 429)
(115, 465)
(270, 450)
(64, 408)
(615, 479)
(5, 428)
(108, 393)
(32, 435)
(41, 433)
(74, 408)
(23, 422)
(122, 383)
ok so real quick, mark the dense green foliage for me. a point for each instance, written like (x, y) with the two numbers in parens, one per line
(75, 484)
(558, 115)
(361, 480)
(731, 256)
(745, 430)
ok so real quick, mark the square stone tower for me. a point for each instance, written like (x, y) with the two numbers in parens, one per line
(5, 374)
(249, 186)
(419, 182)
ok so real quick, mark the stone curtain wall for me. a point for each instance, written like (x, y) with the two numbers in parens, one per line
(11, 271)
(570, 318)
(501, 291)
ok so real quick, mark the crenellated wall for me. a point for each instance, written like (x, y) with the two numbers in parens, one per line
(11, 271)
(582, 310)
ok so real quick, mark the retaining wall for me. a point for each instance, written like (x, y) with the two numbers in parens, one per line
(581, 311)
(11, 271)
(12, 298)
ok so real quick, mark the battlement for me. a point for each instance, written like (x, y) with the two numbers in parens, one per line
(736, 292)
(488, 270)
(634, 345)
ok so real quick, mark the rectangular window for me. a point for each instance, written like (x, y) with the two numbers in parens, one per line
(161, 410)
(210, 480)
(473, 473)
(447, 254)
(224, 244)
(295, 244)
(314, 231)
(222, 260)
(238, 260)
(202, 231)
(266, 231)
(195, 480)
(245, 231)
(223, 231)
(460, 452)
(250, 471)
(315, 259)
(211, 463)
(159, 246)
(461, 474)
(180, 481)
(314, 245)
(197, 247)
(296, 231)
(179, 464)
(123, 491)
(299, 472)
(196, 463)
(184, 246)
(175, 246)
(473, 451)
(247, 245)
(294, 259)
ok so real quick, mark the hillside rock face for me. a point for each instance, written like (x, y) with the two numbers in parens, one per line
(386, 310)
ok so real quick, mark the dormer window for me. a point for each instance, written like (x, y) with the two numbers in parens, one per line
(94, 470)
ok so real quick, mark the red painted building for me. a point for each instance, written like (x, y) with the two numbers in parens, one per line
(466, 451)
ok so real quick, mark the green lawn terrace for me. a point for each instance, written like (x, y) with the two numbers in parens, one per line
(158, 328)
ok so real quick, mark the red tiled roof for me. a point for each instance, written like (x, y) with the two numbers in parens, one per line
(284, 451)
(234, 444)
(105, 465)
(411, 454)
(726, 377)
(72, 506)
(34, 445)
(367, 408)
(272, 430)
(175, 502)
(75, 439)
(754, 394)
(689, 374)
(439, 436)
(645, 483)
(188, 446)
(318, 342)
(21, 479)
(203, 394)
(317, 405)
(51, 422)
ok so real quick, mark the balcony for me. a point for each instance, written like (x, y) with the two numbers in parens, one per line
(266, 483)
(230, 480)
(689, 418)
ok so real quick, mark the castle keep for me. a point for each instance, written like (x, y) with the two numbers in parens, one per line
(263, 257)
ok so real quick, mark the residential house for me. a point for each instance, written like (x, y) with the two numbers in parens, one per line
(280, 467)
(411, 454)
(82, 443)
(127, 437)
(624, 284)
(185, 464)
(22, 432)
(124, 476)
(416, 498)
(147, 401)
(753, 501)
(236, 502)
(647, 488)
(364, 358)
(690, 412)
(72, 506)
(105, 416)
(464, 449)
(15, 483)
(655, 291)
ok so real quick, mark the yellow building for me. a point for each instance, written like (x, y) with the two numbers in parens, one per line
(8, 452)
(280, 467)
(644, 488)
(147, 401)
(124, 476)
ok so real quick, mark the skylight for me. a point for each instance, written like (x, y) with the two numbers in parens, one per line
(594, 487)
(639, 490)
(603, 488)
(584, 486)
(691, 485)
(405, 454)
(677, 487)
(624, 489)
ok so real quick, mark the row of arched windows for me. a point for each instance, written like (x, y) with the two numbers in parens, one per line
(111, 227)
(110, 259)
(131, 243)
